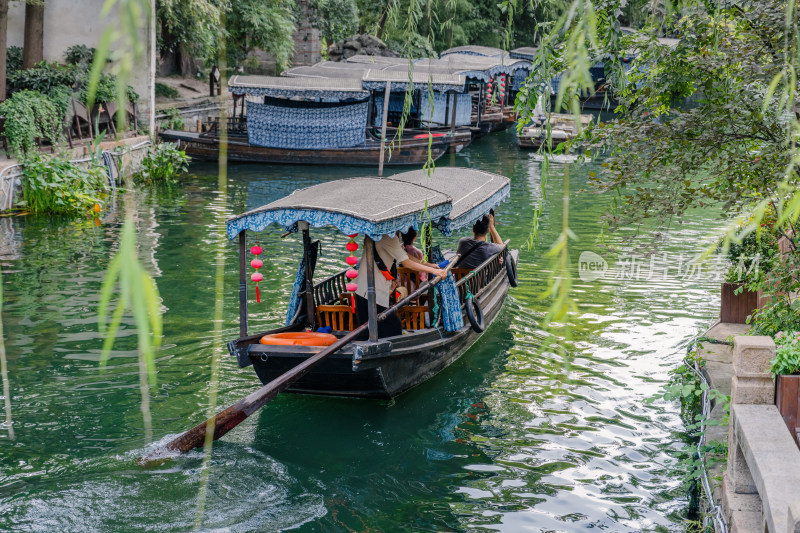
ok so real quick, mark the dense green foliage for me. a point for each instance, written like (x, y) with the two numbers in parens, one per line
(165, 91)
(13, 58)
(106, 90)
(30, 115)
(42, 77)
(197, 27)
(730, 147)
(79, 55)
(55, 185)
(163, 162)
(755, 255)
(787, 354)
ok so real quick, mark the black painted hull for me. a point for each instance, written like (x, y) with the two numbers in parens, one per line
(412, 359)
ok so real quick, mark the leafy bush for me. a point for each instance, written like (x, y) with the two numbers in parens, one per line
(54, 185)
(174, 120)
(13, 59)
(163, 163)
(755, 256)
(165, 91)
(106, 90)
(43, 77)
(787, 355)
(79, 55)
(30, 115)
(783, 315)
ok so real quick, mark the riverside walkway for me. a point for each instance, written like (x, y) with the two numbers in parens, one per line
(755, 489)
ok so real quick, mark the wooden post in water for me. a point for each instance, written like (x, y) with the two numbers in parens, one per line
(372, 306)
(453, 115)
(387, 93)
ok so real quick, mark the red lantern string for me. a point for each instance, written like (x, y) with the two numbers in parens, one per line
(257, 263)
(352, 273)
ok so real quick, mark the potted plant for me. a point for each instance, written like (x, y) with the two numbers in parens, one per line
(785, 368)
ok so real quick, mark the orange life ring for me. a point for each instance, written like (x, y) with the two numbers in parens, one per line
(425, 135)
(300, 338)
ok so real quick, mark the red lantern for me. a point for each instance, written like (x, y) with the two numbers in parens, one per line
(352, 273)
(256, 263)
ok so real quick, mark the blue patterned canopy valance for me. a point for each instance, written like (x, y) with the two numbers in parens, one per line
(450, 198)
(280, 123)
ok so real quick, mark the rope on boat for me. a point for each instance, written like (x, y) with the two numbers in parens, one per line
(716, 512)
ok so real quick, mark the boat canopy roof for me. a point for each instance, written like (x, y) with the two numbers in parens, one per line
(473, 67)
(524, 52)
(330, 69)
(473, 50)
(472, 192)
(399, 77)
(287, 87)
(452, 198)
(376, 60)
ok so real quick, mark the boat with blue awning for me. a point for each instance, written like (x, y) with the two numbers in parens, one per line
(438, 316)
(316, 120)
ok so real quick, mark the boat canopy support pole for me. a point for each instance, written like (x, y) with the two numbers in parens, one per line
(242, 284)
(387, 93)
(453, 115)
(480, 103)
(372, 306)
(310, 314)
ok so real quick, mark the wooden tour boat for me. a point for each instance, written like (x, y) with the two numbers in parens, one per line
(559, 128)
(441, 317)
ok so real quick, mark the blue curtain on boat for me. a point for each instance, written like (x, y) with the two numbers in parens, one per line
(281, 123)
(294, 299)
(435, 110)
(396, 102)
(447, 293)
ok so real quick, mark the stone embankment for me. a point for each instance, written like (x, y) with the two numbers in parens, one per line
(756, 489)
(367, 45)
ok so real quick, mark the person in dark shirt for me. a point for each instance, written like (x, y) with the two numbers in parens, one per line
(474, 251)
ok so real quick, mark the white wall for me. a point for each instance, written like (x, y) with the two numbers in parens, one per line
(71, 22)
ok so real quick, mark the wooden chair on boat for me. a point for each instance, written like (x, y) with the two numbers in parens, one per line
(413, 316)
(410, 280)
(459, 273)
(338, 317)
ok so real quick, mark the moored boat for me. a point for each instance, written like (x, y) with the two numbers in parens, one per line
(321, 121)
(557, 127)
(439, 323)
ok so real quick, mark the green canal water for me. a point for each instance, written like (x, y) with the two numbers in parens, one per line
(506, 439)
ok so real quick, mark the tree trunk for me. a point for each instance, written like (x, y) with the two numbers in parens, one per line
(33, 49)
(3, 47)
(185, 61)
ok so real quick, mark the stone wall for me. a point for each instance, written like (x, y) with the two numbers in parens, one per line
(71, 22)
(307, 41)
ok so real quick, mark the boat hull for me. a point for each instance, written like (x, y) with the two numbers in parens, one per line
(411, 360)
(412, 152)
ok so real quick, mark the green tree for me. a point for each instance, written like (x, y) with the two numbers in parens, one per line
(260, 24)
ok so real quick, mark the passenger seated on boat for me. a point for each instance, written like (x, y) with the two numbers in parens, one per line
(414, 253)
(477, 250)
(389, 253)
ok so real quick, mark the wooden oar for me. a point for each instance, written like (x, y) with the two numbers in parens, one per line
(231, 417)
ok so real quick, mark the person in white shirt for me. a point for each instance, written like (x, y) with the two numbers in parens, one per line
(391, 252)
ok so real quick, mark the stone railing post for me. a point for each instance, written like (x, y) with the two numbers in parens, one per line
(751, 384)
